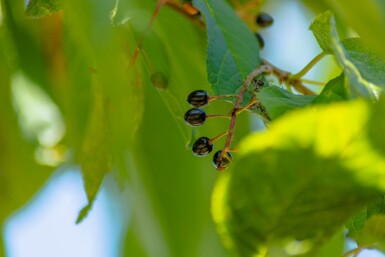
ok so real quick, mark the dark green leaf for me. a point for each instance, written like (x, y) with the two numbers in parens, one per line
(278, 101)
(233, 50)
(41, 8)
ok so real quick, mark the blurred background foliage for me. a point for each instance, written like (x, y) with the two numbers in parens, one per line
(74, 90)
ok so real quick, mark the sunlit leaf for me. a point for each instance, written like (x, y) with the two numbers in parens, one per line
(301, 180)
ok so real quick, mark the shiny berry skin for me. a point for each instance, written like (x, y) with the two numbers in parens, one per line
(264, 20)
(260, 40)
(195, 117)
(202, 147)
(198, 98)
(221, 163)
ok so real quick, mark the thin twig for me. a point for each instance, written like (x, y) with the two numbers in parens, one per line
(237, 105)
(284, 77)
(308, 67)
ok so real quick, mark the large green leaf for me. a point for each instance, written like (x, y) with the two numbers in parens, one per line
(301, 180)
(232, 51)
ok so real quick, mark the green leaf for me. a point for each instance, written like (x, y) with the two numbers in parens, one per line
(95, 158)
(369, 63)
(366, 19)
(376, 128)
(334, 246)
(333, 91)
(357, 223)
(301, 180)
(323, 28)
(278, 101)
(375, 228)
(41, 8)
(233, 50)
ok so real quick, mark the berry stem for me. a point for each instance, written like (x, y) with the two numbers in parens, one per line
(221, 96)
(308, 67)
(217, 137)
(285, 77)
(312, 82)
(218, 116)
(237, 105)
(253, 101)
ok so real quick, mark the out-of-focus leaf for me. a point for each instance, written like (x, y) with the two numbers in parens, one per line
(322, 30)
(369, 63)
(41, 8)
(334, 246)
(367, 19)
(375, 228)
(233, 50)
(359, 66)
(113, 106)
(301, 180)
(377, 128)
(20, 175)
(278, 101)
(95, 157)
(357, 223)
(333, 91)
(168, 186)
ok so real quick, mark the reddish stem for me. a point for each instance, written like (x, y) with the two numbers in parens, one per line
(237, 105)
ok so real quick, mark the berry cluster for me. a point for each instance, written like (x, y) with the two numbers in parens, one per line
(263, 20)
(196, 117)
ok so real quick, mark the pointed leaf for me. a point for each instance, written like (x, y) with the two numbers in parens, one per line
(233, 50)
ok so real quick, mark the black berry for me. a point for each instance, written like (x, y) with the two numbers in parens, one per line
(260, 40)
(264, 20)
(198, 98)
(202, 146)
(221, 163)
(195, 117)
